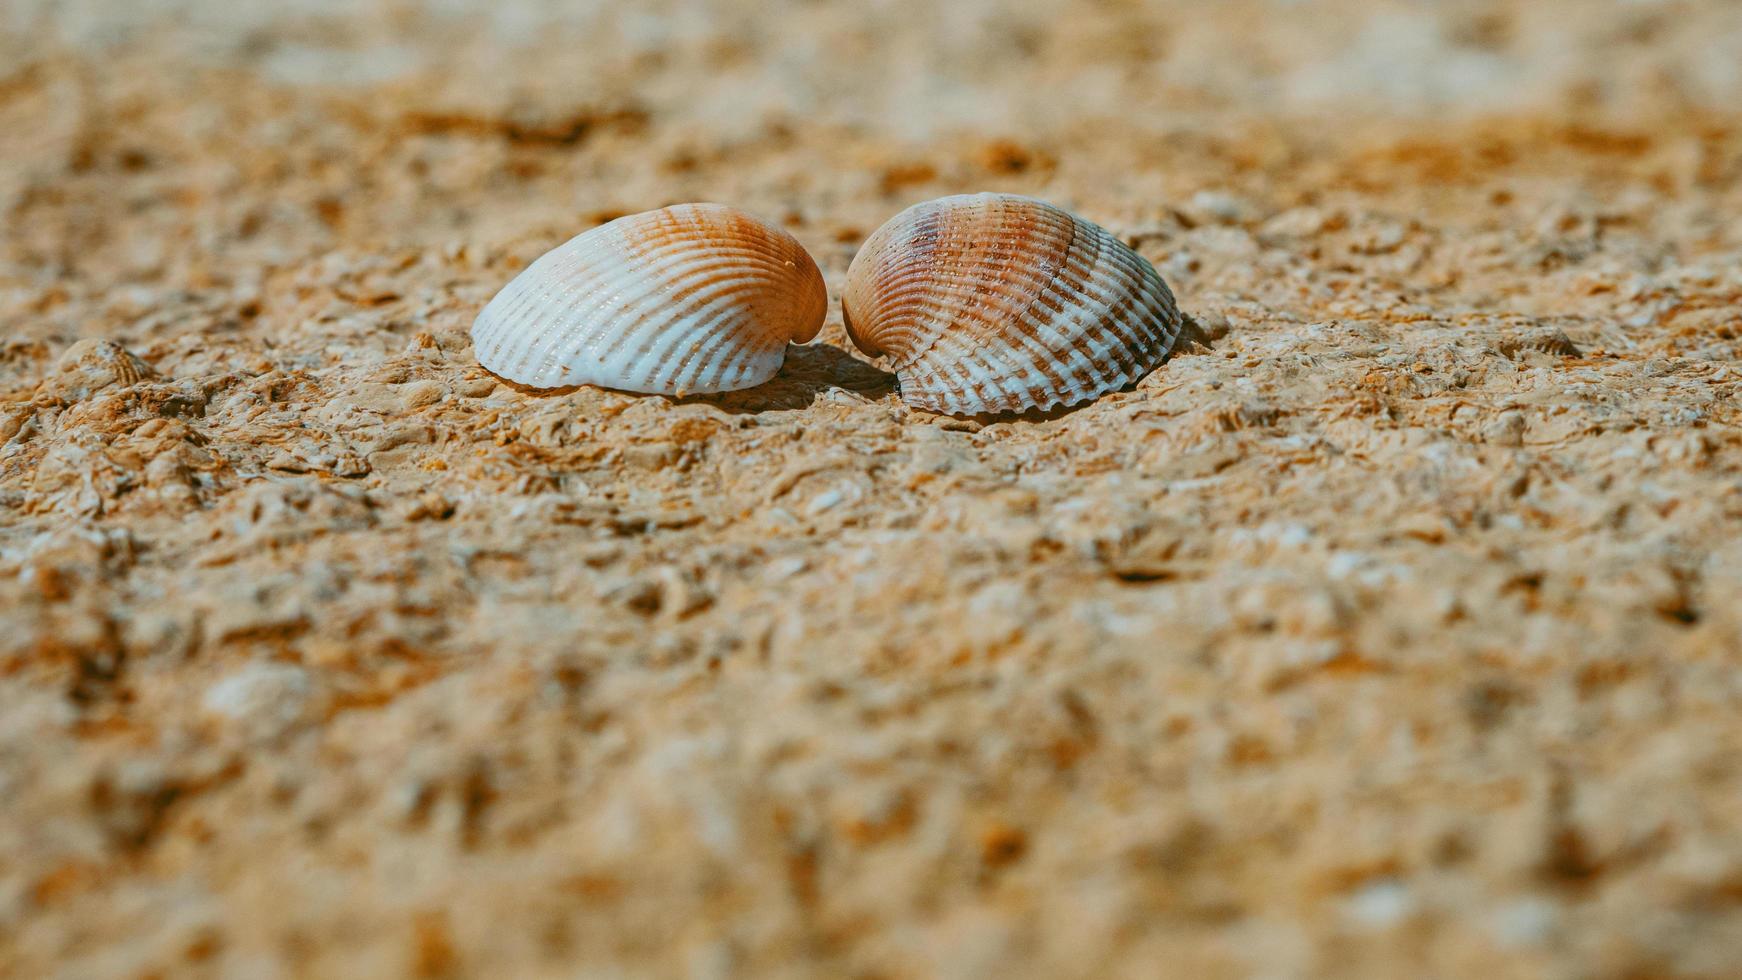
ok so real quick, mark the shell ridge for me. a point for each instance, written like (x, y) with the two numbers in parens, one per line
(1063, 329)
(713, 316)
(577, 265)
(1033, 324)
(993, 303)
(671, 274)
(1021, 321)
(702, 282)
(1130, 315)
(716, 325)
(711, 309)
(671, 262)
(1108, 298)
(913, 316)
(505, 310)
(577, 304)
(1148, 294)
(1112, 292)
(957, 368)
(707, 360)
(900, 316)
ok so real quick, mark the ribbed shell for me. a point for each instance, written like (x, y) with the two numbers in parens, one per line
(687, 299)
(994, 303)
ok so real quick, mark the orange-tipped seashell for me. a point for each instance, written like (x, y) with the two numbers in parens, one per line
(688, 299)
(993, 303)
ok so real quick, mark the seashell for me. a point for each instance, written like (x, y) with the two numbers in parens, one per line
(93, 364)
(994, 303)
(1545, 341)
(692, 298)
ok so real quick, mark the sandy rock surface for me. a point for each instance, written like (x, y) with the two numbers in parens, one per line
(1394, 628)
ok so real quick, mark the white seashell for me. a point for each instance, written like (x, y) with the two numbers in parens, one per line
(994, 303)
(692, 298)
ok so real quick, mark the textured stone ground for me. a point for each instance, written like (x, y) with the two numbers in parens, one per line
(1394, 629)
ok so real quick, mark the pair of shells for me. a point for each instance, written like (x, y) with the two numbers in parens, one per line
(983, 304)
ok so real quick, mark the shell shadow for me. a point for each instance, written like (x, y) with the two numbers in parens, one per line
(809, 371)
(812, 369)
(529, 389)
